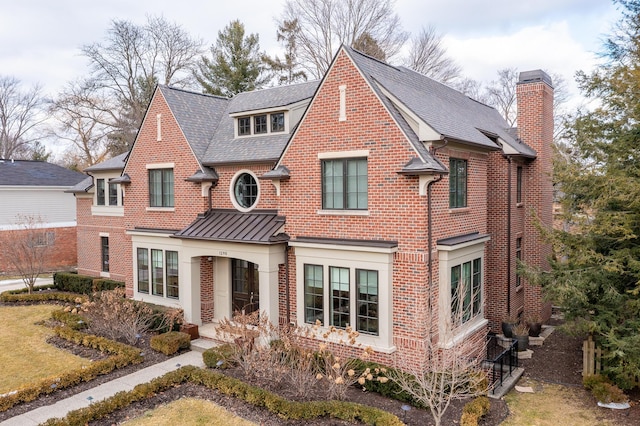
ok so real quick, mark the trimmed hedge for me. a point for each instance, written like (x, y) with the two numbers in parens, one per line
(123, 355)
(219, 356)
(171, 342)
(285, 409)
(72, 282)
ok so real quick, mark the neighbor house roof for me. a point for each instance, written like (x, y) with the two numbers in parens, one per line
(37, 173)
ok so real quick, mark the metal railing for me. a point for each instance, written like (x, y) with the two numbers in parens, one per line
(502, 356)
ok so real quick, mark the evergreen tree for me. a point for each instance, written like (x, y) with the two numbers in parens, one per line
(596, 277)
(237, 64)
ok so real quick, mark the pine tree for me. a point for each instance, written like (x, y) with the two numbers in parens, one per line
(287, 70)
(236, 66)
(596, 277)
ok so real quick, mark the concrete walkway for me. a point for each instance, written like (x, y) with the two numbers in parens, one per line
(19, 284)
(105, 390)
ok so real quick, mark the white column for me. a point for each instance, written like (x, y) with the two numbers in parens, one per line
(190, 289)
(269, 293)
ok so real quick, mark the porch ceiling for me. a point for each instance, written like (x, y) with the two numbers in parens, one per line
(257, 227)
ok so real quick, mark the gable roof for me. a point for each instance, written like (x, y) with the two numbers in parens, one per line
(197, 115)
(37, 173)
(447, 111)
(272, 97)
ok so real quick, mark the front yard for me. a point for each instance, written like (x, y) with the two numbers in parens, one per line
(26, 356)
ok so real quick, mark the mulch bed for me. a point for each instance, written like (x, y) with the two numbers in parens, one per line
(558, 361)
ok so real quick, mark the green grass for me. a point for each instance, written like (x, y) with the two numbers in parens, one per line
(26, 357)
(551, 405)
(189, 412)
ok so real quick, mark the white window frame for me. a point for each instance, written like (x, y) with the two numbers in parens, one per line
(232, 193)
(107, 209)
(450, 256)
(354, 258)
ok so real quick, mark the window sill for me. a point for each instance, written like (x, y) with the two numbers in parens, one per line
(161, 209)
(519, 288)
(107, 210)
(460, 210)
(343, 212)
(518, 205)
(105, 274)
(465, 331)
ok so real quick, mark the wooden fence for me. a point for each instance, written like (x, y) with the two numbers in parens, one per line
(591, 358)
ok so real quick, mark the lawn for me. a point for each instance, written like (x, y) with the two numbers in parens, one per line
(189, 412)
(550, 405)
(26, 357)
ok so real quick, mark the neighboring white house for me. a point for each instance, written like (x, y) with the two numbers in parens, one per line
(37, 188)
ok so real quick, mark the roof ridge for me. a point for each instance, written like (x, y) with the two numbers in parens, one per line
(380, 61)
(191, 92)
(284, 86)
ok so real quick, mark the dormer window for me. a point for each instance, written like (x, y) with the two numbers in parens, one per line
(244, 126)
(277, 122)
(260, 124)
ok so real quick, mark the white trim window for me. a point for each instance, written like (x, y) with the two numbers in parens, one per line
(341, 286)
(157, 271)
(461, 300)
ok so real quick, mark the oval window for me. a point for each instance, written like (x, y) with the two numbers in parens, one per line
(245, 190)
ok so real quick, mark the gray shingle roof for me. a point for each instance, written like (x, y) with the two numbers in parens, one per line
(449, 112)
(197, 115)
(115, 163)
(82, 186)
(37, 173)
(273, 97)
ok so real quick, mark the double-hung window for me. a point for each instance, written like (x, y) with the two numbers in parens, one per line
(161, 187)
(466, 291)
(157, 270)
(457, 183)
(100, 197)
(244, 126)
(344, 184)
(104, 249)
(260, 124)
(341, 297)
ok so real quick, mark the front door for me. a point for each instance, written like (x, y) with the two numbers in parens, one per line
(245, 286)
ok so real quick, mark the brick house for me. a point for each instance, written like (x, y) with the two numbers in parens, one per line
(38, 188)
(364, 199)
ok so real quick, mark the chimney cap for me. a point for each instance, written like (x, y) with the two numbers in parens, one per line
(534, 76)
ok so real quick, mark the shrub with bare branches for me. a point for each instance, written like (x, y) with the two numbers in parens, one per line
(113, 315)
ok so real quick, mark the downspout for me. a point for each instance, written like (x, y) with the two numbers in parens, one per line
(432, 151)
(209, 201)
(508, 157)
(287, 294)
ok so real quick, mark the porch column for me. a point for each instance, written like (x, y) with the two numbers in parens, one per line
(190, 289)
(269, 293)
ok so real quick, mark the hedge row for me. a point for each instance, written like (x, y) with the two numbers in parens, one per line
(285, 409)
(68, 281)
(123, 355)
(170, 342)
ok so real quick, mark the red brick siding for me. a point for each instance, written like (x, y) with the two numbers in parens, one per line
(60, 256)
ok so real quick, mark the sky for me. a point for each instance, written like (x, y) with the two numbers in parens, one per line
(40, 40)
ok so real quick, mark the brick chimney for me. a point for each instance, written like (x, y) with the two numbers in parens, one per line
(534, 93)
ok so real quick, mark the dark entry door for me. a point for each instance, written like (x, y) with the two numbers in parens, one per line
(245, 286)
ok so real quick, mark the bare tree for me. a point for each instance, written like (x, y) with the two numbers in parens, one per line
(129, 64)
(326, 24)
(84, 120)
(19, 117)
(472, 88)
(451, 368)
(286, 70)
(27, 248)
(428, 56)
(502, 94)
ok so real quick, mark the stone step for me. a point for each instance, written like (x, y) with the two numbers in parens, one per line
(202, 344)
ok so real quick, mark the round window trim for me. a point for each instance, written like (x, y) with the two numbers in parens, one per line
(244, 190)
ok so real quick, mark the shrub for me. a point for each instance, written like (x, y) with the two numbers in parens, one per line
(474, 410)
(113, 315)
(219, 356)
(72, 282)
(101, 284)
(603, 389)
(171, 342)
